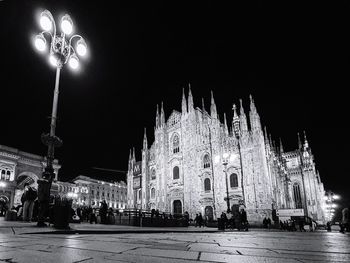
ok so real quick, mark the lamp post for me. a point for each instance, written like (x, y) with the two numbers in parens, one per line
(303, 164)
(225, 158)
(60, 52)
(330, 205)
(236, 128)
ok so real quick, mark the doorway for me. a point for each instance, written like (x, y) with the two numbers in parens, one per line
(177, 207)
(209, 215)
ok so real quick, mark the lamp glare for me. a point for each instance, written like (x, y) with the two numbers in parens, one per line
(73, 62)
(67, 24)
(40, 43)
(45, 22)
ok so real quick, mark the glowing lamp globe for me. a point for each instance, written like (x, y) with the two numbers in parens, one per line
(73, 62)
(67, 24)
(45, 21)
(40, 42)
(81, 48)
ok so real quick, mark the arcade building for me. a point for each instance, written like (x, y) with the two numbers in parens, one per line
(18, 167)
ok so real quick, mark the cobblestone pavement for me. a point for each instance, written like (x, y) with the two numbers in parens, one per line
(252, 246)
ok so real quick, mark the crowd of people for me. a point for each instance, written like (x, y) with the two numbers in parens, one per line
(236, 219)
(27, 211)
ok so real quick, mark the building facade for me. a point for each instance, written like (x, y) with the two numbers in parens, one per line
(87, 191)
(196, 161)
(16, 169)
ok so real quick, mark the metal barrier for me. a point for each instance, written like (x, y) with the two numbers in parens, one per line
(133, 217)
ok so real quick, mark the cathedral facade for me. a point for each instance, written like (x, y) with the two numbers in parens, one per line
(200, 165)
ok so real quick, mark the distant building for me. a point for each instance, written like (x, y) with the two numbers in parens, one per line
(178, 171)
(87, 191)
(16, 169)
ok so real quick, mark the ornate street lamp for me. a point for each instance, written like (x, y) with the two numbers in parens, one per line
(61, 51)
(236, 129)
(225, 158)
(330, 205)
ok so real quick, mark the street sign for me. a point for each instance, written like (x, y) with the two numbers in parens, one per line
(290, 212)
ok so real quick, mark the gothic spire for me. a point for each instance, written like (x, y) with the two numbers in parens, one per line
(145, 145)
(299, 142)
(281, 146)
(203, 106)
(184, 103)
(190, 99)
(225, 124)
(162, 116)
(157, 117)
(306, 144)
(213, 111)
(129, 162)
(235, 121)
(243, 118)
(254, 117)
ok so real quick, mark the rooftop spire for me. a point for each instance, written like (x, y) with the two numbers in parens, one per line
(213, 111)
(145, 144)
(299, 142)
(162, 116)
(306, 144)
(225, 124)
(281, 146)
(190, 99)
(184, 102)
(157, 117)
(203, 106)
(243, 118)
(235, 121)
(254, 117)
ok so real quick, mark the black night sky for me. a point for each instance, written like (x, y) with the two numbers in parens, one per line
(294, 60)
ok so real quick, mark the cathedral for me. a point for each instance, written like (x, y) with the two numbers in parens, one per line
(200, 165)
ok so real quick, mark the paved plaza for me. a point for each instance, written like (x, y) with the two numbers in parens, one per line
(19, 244)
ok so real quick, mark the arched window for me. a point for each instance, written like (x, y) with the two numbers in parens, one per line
(2, 175)
(207, 186)
(153, 193)
(153, 174)
(176, 174)
(176, 144)
(233, 180)
(297, 196)
(206, 161)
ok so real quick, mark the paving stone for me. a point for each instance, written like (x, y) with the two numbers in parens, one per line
(242, 259)
(164, 253)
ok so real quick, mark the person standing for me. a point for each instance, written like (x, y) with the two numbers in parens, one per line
(44, 185)
(200, 220)
(268, 223)
(244, 221)
(103, 212)
(28, 198)
(223, 218)
(344, 226)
